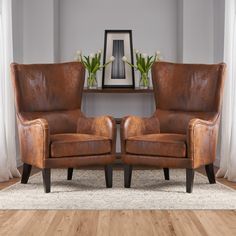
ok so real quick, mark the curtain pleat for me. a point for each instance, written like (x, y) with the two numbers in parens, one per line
(8, 167)
(228, 125)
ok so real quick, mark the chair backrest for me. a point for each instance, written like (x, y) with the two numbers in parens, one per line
(50, 91)
(192, 90)
(48, 87)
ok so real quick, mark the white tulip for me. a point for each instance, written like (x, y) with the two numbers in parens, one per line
(91, 55)
(78, 52)
(158, 53)
(112, 58)
(144, 55)
(124, 58)
(100, 51)
(136, 51)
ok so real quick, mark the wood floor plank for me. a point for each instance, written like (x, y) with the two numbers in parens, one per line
(198, 225)
(88, 223)
(104, 221)
(39, 223)
(15, 223)
(120, 223)
(142, 223)
(183, 224)
(85, 223)
(5, 215)
(162, 223)
(74, 224)
(62, 223)
(191, 223)
(229, 219)
(215, 224)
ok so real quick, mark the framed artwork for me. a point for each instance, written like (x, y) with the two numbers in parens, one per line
(118, 74)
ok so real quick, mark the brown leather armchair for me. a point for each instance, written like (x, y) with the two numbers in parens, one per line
(53, 132)
(183, 131)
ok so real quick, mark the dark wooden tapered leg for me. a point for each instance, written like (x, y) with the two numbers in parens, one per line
(128, 175)
(26, 173)
(46, 180)
(69, 173)
(166, 173)
(108, 176)
(210, 173)
(189, 180)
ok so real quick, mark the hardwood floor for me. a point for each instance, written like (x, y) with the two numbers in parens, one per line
(120, 223)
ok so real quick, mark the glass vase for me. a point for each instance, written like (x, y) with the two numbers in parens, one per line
(144, 81)
(92, 81)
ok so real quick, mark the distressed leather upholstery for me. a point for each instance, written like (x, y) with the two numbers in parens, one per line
(53, 132)
(183, 131)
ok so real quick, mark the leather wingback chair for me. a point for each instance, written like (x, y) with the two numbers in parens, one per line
(53, 132)
(183, 131)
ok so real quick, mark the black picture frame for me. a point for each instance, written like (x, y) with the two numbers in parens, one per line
(118, 70)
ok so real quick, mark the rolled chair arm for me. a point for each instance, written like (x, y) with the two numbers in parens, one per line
(202, 138)
(40, 121)
(104, 126)
(134, 126)
(34, 140)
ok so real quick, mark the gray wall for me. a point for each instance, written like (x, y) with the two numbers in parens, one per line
(17, 25)
(219, 23)
(154, 24)
(219, 16)
(195, 31)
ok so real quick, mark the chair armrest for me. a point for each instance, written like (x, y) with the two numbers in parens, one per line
(202, 138)
(34, 140)
(101, 126)
(134, 126)
(41, 122)
(104, 126)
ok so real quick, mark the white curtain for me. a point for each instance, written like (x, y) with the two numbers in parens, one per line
(228, 131)
(7, 113)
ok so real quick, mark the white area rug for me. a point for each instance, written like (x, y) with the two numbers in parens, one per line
(148, 190)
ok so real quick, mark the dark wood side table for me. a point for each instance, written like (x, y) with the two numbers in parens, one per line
(118, 90)
(115, 91)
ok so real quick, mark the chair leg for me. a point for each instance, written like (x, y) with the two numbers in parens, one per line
(108, 176)
(69, 173)
(127, 175)
(189, 180)
(46, 172)
(166, 173)
(26, 173)
(210, 173)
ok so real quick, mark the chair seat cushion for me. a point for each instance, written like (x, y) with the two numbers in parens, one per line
(169, 145)
(65, 145)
